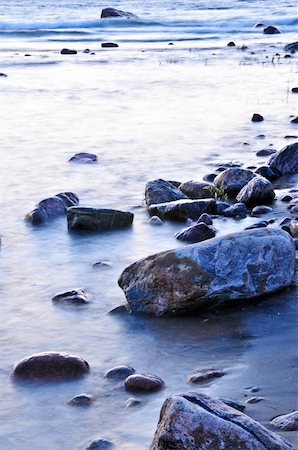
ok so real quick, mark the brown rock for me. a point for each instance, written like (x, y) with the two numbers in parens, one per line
(143, 382)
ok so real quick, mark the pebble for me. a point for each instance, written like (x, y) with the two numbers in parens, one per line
(101, 264)
(67, 51)
(146, 382)
(266, 152)
(119, 372)
(205, 375)
(84, 158)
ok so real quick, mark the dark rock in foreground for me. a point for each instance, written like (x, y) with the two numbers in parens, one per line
(161, 191)
(196, 233)
(231, 44)
(286, 160)
(84, 158)
(67, 51)
(271, 30)
(286, 422)
(258, 191)
(50, 366)
(183, 209)
(112, 12)
(97, 219)
(75, 296)
(52, 207)
(235, 266)
(193, 421)
(143, 382)
(231, 181)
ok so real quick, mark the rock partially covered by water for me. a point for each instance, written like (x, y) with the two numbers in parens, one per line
(113, 12)
(241, 265)
(100, 444)
(271, 30)
(193, 421)
(183, 209)
(237, 210)
(50, 366)
(286, 422)
(97, 219)
(292, 47)
(161, 191)
(119, 372)
(84, 158)
(267, 173)
(200, 376)
(231, 181)
(196, 233)
(258, 191)
(197, 189)
(67, 51)
(75, 296)
(143, 382)
(286, 160)
(52, 207)
(257, 118)
(81, 400)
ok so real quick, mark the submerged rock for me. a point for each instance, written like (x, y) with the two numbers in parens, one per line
(119, 372)
(231, 44)
(205, 375)
(143, 382)
(197, 189)
(3, 75)
(50, 366)
(286, 160)
(155, 220)
(97, 219)
(193, 421)
(205, 218)
(52, 207)
(271, 30)
(75, 296)
(254, 400)
(266, 152)
(231, 181)
(84, 158)
(196, 233)
(161, 191)
(241, 265)
(286, 422)
(113, 12)
(258, 191)
(232, 403)
(262, 209)
(183, 209)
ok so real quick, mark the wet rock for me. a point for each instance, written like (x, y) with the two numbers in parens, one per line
(97, 219)
(254, 389)
(205, 375)
(132, 402)
(260, 25)
(205, 218)
(221, 207)
(231, 44)
(254, 400)
(291, 227)
(292, 47)
(286, 198)
(193, 421)
(67, 51)
(237, 210)
(286, 422)
(295, 90)
(87, 50)
(161, 191)
(196, 233)
(258, 191)
(101, 265)
(81, 400)
(197, 189)
(119, 310)
(119, 372)
(183, 209)
(261, 136)
(50, 366)
(267, 173)
(295, 120)
(271, 30)
(52, 207)
(146, 382)
(155, 220)
(257, 118)
(262, 209)
(3, 75)
(261, 224)
(100, 444)
(210, 177)
(286, 160)
(231, 181)
(232, 403)
(84, 158)
(290, 136)
(235, 266)
(109, 44)
(266, 152)
(112, 12)
(75, 296)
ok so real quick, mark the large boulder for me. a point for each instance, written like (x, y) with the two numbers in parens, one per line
(259, 191)
(50, 366)
(161, 191)
(193, 421)
(232, 180)
(113, 12)
(183, 209)
(197, 189)
(286, 160)
(236, 266)
(52, 207)
(97, 219)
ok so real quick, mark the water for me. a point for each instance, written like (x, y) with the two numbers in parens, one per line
(148, 110)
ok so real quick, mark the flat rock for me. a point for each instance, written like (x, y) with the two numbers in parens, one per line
(196, 233)
(3, 75)
(119, 372)
(197, 189)
(97, 219)
(286, 160)
(193, 421)
(109, 44)
(271, 30)
(52, 207)
(237, 210)
(50, 366)
(183, 209)
(231, 181)
(257, 118)
(75, 296)
(235, 266)
(143, 382)
(286, 422)
(259, 191)
(84, 158)
(161, 191)
(205, 375)
(113, 12)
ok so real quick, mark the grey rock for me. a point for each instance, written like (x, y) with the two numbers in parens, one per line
(258, 191)
(292, 47)
(266, 152)
(97, 219)
(81, 400)
(52, 207)
(193, 421)
(119, 372)
(221, 207)
(196, 233)
(75, 296)
(261, 224)
(231, 181)
(3, 75)
(99, 444)
(271, 30)
(254, 400)
(132, 402)
(257, 118)
(155, 220)
(197, 189)
(291, 227)
(237, 210)
(67, 51)
(286, 160)
(183, 209)
(50, 366)
(143, 382)
(204, 375)
(235, 266)
(205, 218)
(209, 177)
(286, 422)
(232, 403)
(262, 209)
(267, 172)
(161, 191)
(84, 158)
(112, 12)
(287, 198)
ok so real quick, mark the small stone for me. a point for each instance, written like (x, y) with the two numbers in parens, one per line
(254, 389)
(295, 120)
(232, 404)
(81, 400)
(221, 207)
(259, 25)
(196, 233)
(67, 51)
(155, 220)
(262, 209)
(109, 44)
(205, 375)
(271, 30)
(257, 118)
(290, 136)
(119, 372)
(286, 422)
(205, 218)
(231, 44)
(197, 189)
(287, 56)
(254, 400)
(132, 402)
(84, 158)
(260, 136)
(266, 152)
(86, 50)
(143, 383)
(99, 444)
(75, 296)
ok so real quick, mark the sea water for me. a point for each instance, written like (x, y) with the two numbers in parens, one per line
(148, 110)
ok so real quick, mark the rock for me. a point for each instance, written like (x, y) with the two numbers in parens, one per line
(99, 444)
(205, 218)
(193, 421)
(205, 375)
(183, 209)
(257, 118)
(286, 422)
(75, 296)
(254, 389)
(286, 160)
(290, 136)
(292, 47)
(231, 181)
(50, 366)
(221, 207)
(52, 207)
(260, 25)
(112, 12)
(132, 402)
(266, 152)
(119, 310)
(155, 220)
(271, 30)
(81, 400)
(261, 224)
(262, 209)
(260, 136)
(231, 44)
(258, 191)
(197, 189)
(119, 372)
(146, 382)
(232, 403)
(291, 227)
(254, 400)
(287, 198)
(161, 191)
(87, 50)
(241, 265)
(67, 51)
(97, 219)
(109, 44)
(210, 177)
(84, 158)
(294, 210)
(102, 265)
(267, 173)
(237, 210)
(3, 75)
(295, 120)
(196, 233)
(295, 90)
